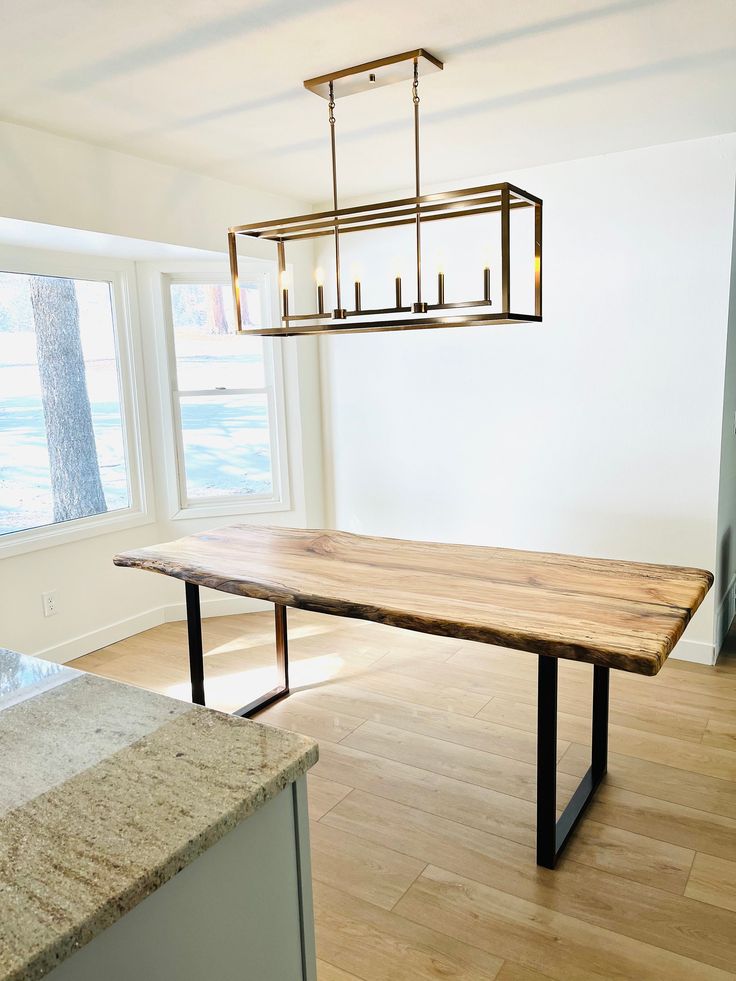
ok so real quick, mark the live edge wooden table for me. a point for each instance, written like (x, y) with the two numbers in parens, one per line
(611, 614)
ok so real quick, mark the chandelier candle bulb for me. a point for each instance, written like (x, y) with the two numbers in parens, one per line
(319, 278)
(284, 294)
(487, 284)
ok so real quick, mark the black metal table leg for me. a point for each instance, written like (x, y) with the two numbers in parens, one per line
(599, 754)
(553, 835)
(546, 761)
(282, 663)
(194, 631)
(196, 655)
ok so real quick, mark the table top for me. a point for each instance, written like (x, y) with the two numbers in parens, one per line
(106, 792)
(626, 615)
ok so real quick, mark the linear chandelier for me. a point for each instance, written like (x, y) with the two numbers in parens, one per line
(416, 212)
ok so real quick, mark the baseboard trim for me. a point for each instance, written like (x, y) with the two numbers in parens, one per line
(220, 607)
(697, 651)
(94, 640)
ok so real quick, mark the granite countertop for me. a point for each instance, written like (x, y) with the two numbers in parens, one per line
(106, 792)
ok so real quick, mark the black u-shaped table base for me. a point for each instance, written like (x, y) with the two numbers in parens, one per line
(196, 656)
(553, 834)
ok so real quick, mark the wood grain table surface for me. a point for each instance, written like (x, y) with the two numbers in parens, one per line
(625, 615)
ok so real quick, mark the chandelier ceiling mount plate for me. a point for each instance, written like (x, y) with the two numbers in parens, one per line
(374, 74)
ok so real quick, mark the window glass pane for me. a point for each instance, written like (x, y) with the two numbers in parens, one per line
(208, 352)
(62, 447)
(227, 450)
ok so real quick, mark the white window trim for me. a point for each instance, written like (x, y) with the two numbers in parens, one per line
(121, 275)
(180, 507)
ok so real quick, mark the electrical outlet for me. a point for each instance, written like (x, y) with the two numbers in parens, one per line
(50, 603)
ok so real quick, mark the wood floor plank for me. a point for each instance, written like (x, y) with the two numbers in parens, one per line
(463, 730)
(713, 880)
(501, 670)
(683, 754)
(510, 817)
(327, 972)
(635, 911)
(517, 972)
(718, 681)
(575, 713)
(473, 766)
(669, 783)
(377, 945)
(488, 684)
(710, 703)
(677, 675)
(300, 716)
(323, 795)
(637, 857)
(372, 872)
(721, 733)
(559, 945)
(423, 691)
(689, 827)
(354, 639)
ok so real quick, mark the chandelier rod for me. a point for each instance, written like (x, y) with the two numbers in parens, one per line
(419, 307)
(339, 312)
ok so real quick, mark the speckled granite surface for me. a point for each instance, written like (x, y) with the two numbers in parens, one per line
(106, 792)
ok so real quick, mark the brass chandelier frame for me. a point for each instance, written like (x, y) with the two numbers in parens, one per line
(416, 210)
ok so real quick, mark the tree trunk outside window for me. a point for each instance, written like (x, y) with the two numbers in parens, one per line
(76, 486)
(216, 314)
(216, 311)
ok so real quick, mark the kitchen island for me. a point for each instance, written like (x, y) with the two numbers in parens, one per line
(143, 837)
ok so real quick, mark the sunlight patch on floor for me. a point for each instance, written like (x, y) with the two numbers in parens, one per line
(263, 639)
(238, 687)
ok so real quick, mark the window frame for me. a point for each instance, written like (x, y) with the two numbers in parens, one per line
(120, 274)
(181, 505)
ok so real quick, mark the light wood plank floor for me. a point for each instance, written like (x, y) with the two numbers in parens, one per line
(422, 804)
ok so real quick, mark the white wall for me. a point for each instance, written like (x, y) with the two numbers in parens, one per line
(66, 182)
(597, 432)
(726, 545)
(61, 182)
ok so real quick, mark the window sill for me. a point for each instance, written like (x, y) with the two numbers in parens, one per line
(68, 532)
(210, 510)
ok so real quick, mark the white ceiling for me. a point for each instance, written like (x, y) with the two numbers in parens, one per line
(216, 88)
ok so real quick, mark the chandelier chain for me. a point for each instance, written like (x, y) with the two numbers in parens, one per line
(331, 104)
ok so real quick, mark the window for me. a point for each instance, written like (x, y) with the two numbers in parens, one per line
(65, 415)
(227, 394)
